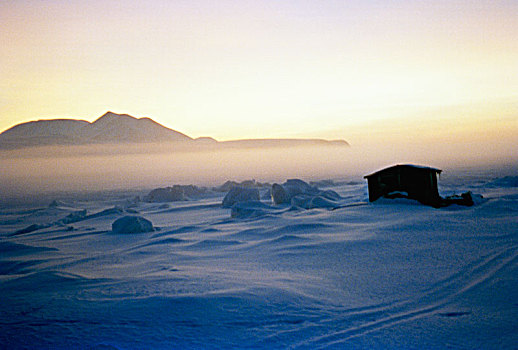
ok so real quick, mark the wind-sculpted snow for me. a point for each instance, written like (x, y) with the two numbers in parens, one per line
(386, 275)
(507, 181)
(253, 208)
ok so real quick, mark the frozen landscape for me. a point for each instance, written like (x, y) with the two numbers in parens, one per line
(258, 174)
(328, 271)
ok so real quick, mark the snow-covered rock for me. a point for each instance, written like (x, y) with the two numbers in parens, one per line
(301, 194)
(168, 194)
(240, 194)
(279, 194)
(227, 186)
(292, 187)
(175, 193)
(132, 224)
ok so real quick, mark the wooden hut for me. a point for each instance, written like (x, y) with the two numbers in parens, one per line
(405, 180)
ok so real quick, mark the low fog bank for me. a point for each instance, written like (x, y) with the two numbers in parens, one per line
(81, 169)
(52, 169)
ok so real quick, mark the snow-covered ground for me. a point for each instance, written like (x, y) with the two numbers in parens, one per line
(389, 274)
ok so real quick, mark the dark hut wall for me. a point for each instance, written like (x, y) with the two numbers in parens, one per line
(420, 183)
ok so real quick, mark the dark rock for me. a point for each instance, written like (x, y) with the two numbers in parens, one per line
(465, 199)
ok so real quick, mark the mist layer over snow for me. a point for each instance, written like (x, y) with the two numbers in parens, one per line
(388, 274)
(100, 167)
(160, 165)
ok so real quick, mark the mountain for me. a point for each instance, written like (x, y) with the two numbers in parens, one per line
(112, 128)
(117, 128)
(43, 132)
(273, 143)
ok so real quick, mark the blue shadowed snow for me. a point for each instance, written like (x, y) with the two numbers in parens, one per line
(346, 274)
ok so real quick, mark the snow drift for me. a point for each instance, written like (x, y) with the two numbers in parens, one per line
(389, 275)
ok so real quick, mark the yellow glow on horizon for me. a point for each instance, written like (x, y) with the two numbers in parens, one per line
(259, 70)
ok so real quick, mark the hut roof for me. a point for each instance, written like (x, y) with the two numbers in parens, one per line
(438, 171)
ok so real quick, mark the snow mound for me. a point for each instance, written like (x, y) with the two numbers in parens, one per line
(252, 209)
(132, 224)
(240, 194)
(401, 275)
(313, 202)
(324, 183)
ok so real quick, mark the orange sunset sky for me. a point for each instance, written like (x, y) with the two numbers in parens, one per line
(402, 72)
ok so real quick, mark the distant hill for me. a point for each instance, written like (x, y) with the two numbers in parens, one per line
(112, 128)
(261, 143)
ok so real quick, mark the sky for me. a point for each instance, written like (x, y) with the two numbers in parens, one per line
(370, 72)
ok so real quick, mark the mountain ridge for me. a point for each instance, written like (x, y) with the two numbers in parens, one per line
(113, 128)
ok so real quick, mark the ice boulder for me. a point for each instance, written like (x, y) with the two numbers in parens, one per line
(279, 194)
(292, 187)
(240, 194)
(303, 195)
(174, 194)
(227, 186)
(132, 224)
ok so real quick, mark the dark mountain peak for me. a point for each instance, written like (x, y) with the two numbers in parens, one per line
(111, 114)
(113, 127)
(126, 120)
(109, 128)
(108, 114)
(45, 127)
(114, 117)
